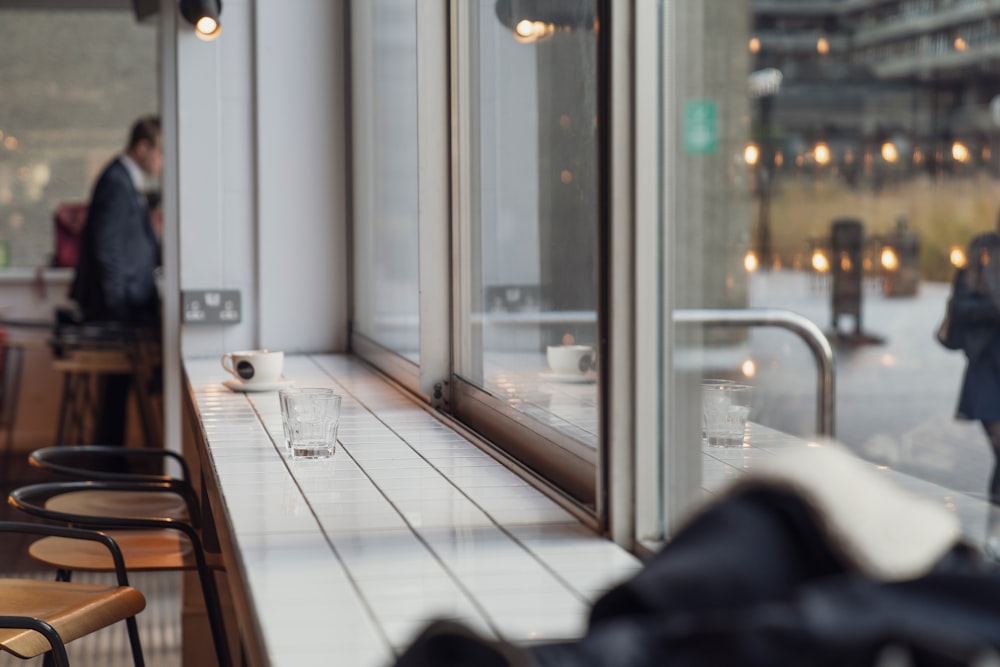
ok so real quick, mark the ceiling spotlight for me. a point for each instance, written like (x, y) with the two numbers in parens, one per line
(204, 16)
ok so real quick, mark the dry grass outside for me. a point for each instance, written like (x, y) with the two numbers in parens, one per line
(944, 213)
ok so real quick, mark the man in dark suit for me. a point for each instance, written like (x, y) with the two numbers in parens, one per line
(119, 253)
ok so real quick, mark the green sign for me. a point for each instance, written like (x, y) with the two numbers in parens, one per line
(701, 127)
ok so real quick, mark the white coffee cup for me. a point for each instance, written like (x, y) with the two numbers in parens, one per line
(570, 359)
(252, 366)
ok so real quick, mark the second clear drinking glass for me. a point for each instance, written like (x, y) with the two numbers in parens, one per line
(310, 418)
(726, 409)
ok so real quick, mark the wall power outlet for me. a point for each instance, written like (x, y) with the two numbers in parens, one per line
(213, 306)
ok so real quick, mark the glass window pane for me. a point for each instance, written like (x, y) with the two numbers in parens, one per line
(384, 89)
(528, 290)
(73, 83)
(833, 160)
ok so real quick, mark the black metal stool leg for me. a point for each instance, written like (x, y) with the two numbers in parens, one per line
(64, 408)
(210, 592)
(78, 425)
(133, 640)
(11, 388)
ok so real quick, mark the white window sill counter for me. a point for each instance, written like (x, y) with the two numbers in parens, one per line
(346, 559)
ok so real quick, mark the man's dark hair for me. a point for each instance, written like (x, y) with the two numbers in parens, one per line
(146, 128)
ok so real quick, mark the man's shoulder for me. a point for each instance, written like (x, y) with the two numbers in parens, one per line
(114, 170)
(113, 181)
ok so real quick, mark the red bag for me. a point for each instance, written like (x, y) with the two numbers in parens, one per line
(69, 220)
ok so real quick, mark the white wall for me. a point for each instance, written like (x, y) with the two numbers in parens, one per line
(301, 175)
(254, 180)
(260, 179)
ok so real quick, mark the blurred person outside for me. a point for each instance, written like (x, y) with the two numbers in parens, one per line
(976, 312)
(119, 253)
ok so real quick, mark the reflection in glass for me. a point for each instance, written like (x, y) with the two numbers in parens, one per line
(862, 132)
(384, 86)
(529, 300)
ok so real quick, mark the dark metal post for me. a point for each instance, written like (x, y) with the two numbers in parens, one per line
(765, 165)
(764, 85)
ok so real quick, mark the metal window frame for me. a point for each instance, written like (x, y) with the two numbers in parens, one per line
(601, 481)
(574, 468)
(433, 212)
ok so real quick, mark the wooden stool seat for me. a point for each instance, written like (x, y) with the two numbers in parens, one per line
(164, 504)
(87, 361)
(74, 610)
(157, 549)
(94, 361)
(149, 543)
(39, 616)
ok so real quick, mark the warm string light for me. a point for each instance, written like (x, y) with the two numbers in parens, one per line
(819, 262)
(960, 152)
(889, 259)
(889, 152)
(822, 154)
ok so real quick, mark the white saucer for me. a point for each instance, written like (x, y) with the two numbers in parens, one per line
(568, 378)
(236, 385)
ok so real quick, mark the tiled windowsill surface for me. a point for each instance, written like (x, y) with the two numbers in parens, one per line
(343, 560)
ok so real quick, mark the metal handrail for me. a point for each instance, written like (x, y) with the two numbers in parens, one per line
(785, 319)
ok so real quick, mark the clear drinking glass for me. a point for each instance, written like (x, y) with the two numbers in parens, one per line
(309, 417)
(725, 409)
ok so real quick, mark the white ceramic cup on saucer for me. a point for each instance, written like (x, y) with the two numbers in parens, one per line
(255, 366)
(570, 359)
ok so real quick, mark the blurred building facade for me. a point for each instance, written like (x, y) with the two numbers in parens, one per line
(886, 86)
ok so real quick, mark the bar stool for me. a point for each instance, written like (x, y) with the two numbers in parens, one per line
(11, 363)
(85, 354)
(81, 371)
(97, 462)
(19, 338)
(40, 617)
(148, 543)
